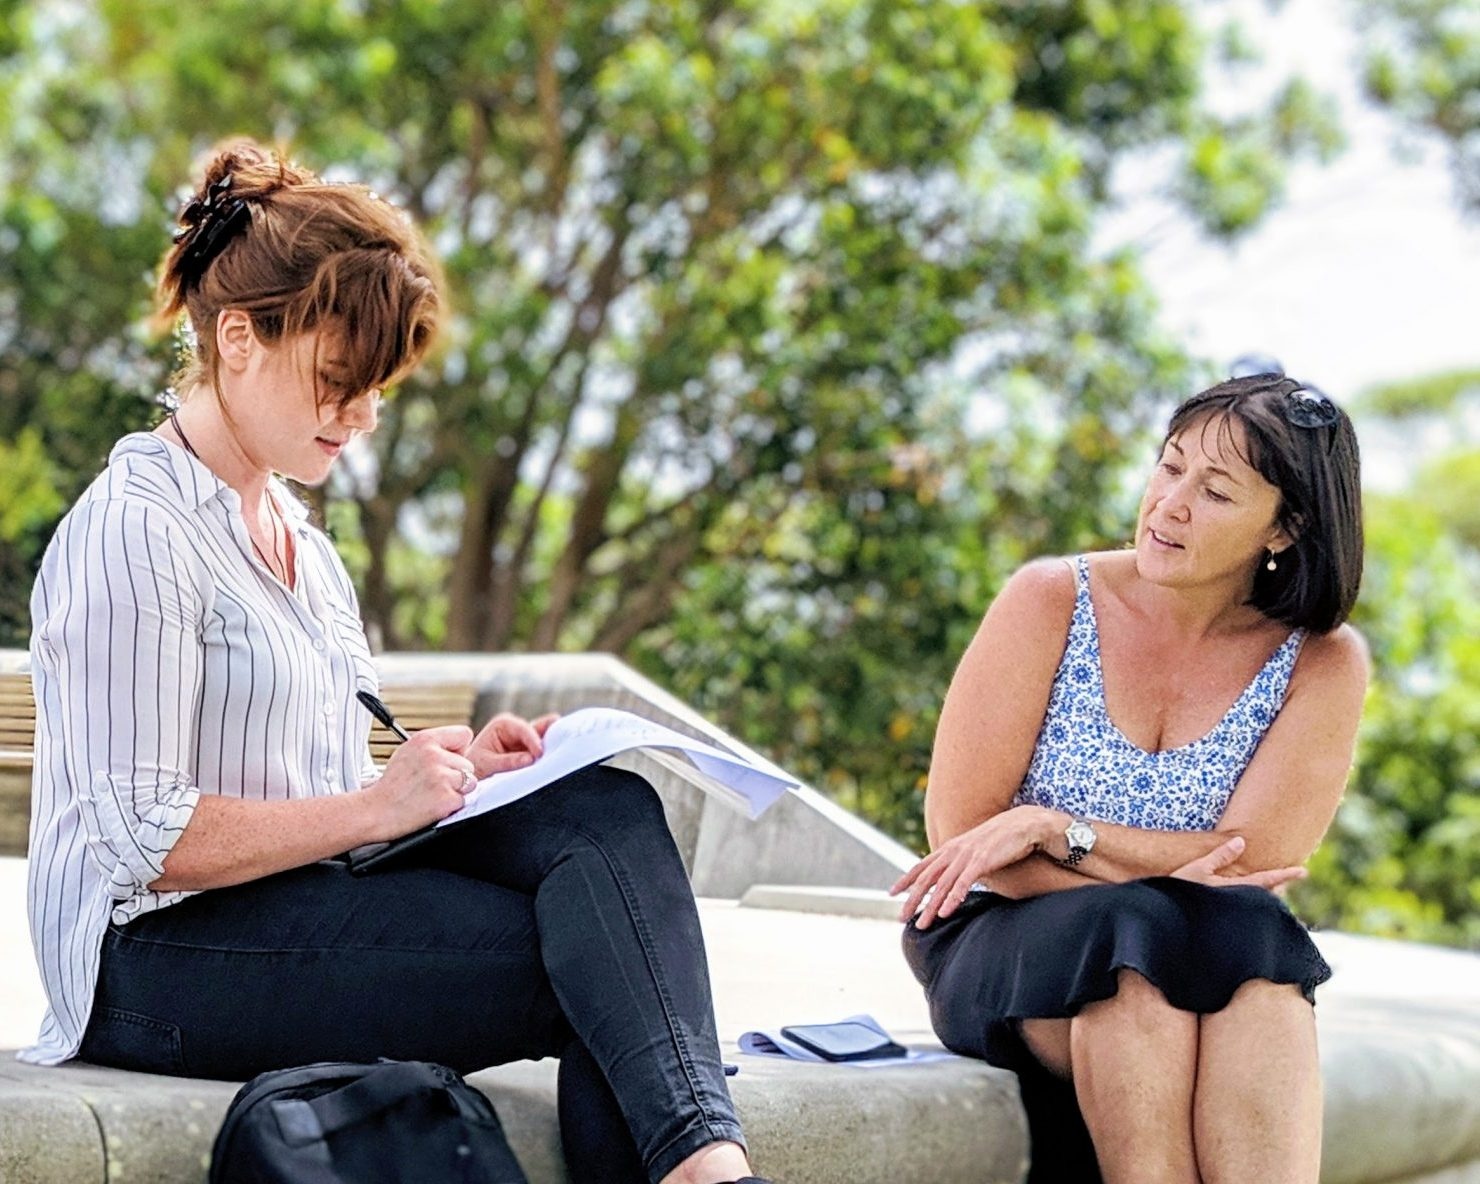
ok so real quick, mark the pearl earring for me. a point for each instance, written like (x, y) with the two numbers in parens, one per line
(1271, 565)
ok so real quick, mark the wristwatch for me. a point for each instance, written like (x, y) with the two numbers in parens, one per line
(1080, 836)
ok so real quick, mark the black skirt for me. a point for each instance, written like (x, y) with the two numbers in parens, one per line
(996, 961)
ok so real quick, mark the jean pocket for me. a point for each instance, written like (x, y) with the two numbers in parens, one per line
(127, 1040)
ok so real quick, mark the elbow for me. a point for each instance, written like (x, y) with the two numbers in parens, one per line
(1255, 856)
(1231, 859)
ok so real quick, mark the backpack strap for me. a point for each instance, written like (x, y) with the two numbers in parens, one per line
(304, 1120)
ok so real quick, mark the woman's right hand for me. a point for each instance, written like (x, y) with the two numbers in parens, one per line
(1207, 869)
(423, 782)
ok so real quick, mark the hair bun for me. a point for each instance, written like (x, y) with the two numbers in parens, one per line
(265, 235)
(255, 171)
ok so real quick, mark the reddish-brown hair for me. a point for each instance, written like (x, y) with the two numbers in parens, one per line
(313, 257)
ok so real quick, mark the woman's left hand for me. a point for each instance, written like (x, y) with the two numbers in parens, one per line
(1210, 870)
(508, 742)
(951, 869)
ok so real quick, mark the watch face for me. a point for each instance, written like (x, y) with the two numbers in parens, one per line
(1080, 834)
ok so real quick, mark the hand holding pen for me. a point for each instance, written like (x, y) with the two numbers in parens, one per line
(426, 777)
(505, 742)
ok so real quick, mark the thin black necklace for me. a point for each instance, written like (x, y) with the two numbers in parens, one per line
(267, 563)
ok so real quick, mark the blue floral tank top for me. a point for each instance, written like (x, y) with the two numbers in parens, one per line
(1084, 765)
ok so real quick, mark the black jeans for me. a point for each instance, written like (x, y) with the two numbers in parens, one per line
(560, 925)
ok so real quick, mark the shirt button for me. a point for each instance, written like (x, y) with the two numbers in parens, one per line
(328, 709)
(319, 644)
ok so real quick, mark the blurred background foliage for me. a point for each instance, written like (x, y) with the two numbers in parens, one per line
(781, 337)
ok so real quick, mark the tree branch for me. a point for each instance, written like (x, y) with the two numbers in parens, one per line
(508, 577)
(652, 600)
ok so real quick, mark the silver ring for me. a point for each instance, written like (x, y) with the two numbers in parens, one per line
(468, 781)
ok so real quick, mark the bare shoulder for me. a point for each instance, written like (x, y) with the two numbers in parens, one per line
(1028, 622)
(1041, 588)
(1333, 663)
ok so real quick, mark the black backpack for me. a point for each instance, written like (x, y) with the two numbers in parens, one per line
(339, 1122)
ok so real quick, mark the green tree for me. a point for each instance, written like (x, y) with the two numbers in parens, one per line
(833, 647)
(699, 252)
(1444, 406)
(1403, 857)
(1423, 62)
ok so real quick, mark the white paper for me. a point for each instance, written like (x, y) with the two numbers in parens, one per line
(593, 734)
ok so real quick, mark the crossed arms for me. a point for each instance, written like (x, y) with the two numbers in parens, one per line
(989, 724)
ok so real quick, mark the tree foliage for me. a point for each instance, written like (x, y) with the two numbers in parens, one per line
(780, 339)
(699, 251)
(1423, 62)
(1403, 858)
(1445, 406)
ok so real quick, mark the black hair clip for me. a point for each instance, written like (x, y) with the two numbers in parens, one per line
(208, 224)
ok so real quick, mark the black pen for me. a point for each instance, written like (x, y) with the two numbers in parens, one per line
(376, 707)
(374, 855)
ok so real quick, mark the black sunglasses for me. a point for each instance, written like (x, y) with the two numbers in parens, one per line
(1310, 407)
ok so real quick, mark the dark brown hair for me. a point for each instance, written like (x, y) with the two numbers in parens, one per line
(1318, 473)
(306, 256)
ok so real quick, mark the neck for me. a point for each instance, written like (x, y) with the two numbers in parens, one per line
(1197, 613)
(201, 426)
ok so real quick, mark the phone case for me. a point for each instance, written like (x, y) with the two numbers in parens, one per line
(847, 1041)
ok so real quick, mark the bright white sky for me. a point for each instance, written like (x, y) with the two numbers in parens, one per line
(1367, 273)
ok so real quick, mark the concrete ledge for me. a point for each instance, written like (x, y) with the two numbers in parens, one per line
(875, 903)
(1402, 1088)
(47, 1136)
(808, 1124)
(1396, 1115)
(1399, 1030)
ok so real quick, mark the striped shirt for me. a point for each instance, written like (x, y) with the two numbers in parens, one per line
(169, 662)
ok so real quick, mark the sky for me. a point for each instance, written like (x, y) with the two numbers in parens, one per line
(1367, 273)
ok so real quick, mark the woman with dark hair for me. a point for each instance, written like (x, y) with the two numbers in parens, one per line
(201, 760)
(1138, 748)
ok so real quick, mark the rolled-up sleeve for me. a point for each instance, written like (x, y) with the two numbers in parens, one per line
(124, 641)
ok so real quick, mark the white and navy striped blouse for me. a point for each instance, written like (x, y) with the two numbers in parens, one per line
(169, 662)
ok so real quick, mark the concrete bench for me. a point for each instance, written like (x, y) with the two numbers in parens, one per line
(1401, 1063)
(808, 1124)
(1400, 1024)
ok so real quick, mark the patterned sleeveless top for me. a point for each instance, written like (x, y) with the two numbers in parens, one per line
(1084, 765)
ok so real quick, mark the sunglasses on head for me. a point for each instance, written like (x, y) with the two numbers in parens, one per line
(1309, 407)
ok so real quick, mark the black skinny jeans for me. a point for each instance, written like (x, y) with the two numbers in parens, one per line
(561, 925)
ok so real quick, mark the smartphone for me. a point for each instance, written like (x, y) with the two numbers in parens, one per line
(846, 1041)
